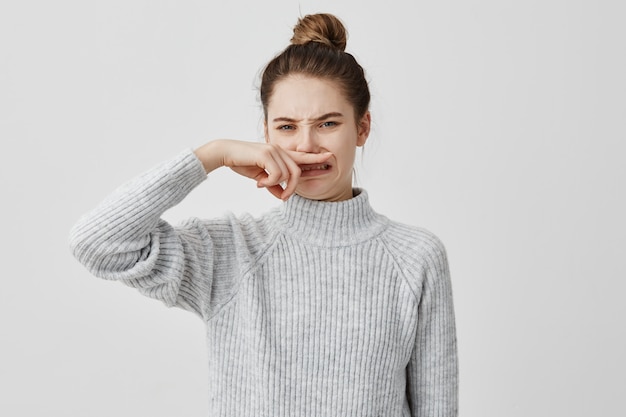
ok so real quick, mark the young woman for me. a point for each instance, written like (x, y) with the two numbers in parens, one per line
(321, 307)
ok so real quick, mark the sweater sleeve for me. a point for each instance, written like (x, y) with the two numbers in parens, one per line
(432, 372)
(125, 239)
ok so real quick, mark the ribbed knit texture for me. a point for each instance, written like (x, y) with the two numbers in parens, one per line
(313, 309)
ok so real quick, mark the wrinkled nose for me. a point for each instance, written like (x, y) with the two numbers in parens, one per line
(308, 142)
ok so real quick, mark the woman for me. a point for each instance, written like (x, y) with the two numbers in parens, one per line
(320, 307)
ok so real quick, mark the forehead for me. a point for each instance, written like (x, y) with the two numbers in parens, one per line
(298, 96)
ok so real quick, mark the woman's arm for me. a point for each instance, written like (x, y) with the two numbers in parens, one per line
(432, 372)
(125, 239)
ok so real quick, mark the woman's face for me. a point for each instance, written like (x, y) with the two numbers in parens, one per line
(311, 115)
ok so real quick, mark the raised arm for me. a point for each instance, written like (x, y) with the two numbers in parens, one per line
(125, 239)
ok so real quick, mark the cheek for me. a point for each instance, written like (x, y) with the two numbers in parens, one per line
(281, 142)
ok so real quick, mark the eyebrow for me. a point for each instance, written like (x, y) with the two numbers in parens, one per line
(317, 119)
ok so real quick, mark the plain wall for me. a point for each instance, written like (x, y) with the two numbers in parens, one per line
(498, 125)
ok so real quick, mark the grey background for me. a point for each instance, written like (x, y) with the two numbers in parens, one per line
(498, 125)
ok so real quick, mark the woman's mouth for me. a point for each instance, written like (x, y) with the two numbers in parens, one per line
(313, 167)
(309, 170)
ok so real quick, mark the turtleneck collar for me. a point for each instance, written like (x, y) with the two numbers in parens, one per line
(329, 224)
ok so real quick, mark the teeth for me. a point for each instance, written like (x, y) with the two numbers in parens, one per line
(325, 166)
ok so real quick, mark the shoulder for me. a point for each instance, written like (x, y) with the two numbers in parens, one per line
(418, 253)
(233, 234)
(415, 244)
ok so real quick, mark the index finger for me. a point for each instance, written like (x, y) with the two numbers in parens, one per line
(294, 176)
(308, 157)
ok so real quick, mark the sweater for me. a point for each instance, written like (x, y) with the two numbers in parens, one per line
(312, 309)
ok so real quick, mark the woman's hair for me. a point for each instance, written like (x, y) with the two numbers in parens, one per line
(318, 50)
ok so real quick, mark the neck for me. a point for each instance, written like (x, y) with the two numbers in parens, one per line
(331, 223)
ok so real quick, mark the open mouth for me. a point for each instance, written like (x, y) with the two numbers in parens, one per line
(321, 167)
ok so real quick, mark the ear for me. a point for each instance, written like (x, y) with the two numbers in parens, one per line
(363, 129)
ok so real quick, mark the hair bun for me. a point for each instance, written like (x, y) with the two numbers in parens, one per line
(322, 28)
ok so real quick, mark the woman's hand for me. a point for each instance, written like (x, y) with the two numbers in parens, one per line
(269, 165)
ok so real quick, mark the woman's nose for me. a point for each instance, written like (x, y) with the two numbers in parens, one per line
(307, 142)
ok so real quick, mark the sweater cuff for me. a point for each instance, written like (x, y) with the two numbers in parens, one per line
(159, 188)
(188, 169)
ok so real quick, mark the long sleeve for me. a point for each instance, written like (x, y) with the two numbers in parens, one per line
(125, 239)
(432, 373)
(314, 308)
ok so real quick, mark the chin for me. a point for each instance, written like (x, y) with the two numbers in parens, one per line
(312, 192)
(321, 193)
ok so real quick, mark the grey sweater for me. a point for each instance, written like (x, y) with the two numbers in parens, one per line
(313, 309)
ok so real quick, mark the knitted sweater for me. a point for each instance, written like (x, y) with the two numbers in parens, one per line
(313, 309)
